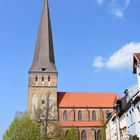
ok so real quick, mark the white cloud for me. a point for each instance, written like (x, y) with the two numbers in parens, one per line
(127, 2)
(100, 2)
(116, 7)
(118, 13)
(99, 62)
(121, 59)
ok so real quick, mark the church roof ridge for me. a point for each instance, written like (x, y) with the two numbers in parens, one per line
(88, 92)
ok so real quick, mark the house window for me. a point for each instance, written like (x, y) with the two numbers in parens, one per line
(107, 112)
(94, 116)
(138, 111)
(80, 116)
(83, 135)
(99, 135)
(131, 117)
(65, 116)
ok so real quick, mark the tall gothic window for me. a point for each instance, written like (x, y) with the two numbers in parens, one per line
(34, 104)
(93, 135)
(42, 78)
(73, 112)
(36, 78)
(49, 78)
(65, 116)
(51, 106)
(83, 135)
(99, 135)
(66, 133)
(93, 115)
(43, 101)
(80, 116)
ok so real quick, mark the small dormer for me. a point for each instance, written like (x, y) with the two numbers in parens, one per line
(136, 66)
(136, 62)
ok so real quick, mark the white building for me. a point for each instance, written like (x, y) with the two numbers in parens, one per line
(131, 110)
(123, 127)
(133, 101)
(112, 128)
(125, 121)
(137, 113)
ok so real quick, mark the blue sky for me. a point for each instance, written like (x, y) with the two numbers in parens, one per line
(93, 41)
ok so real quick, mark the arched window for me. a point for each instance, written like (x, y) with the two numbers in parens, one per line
(66, 133)
(43, 99)
(65, 116)
(99, 135)
(42, 78)
(49, 78)
(80, 116)
(51, 102)
(93, 135)
(83, 135)
(49, 81)
(93, 115)
(34, 104)
(36, 78)
(43, 102)
(73, 113)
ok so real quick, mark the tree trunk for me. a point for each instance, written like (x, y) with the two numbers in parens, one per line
(45, 133)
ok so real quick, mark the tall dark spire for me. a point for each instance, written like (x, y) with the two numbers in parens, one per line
(44, 60)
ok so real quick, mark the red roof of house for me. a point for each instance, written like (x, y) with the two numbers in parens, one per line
(86, 99)
(81, 123)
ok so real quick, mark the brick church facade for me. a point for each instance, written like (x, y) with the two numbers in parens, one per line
(84, 110)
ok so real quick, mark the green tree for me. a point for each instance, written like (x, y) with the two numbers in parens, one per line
(72, 134)
(103, 133)
(45, 115)
(134, 137)
(22, 128)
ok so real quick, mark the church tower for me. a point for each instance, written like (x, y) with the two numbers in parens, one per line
(43, 72)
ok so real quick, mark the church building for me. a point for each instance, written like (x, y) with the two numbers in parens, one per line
(84, 110)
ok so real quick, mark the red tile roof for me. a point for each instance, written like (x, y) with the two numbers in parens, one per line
(86, 99)
(80, 123)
